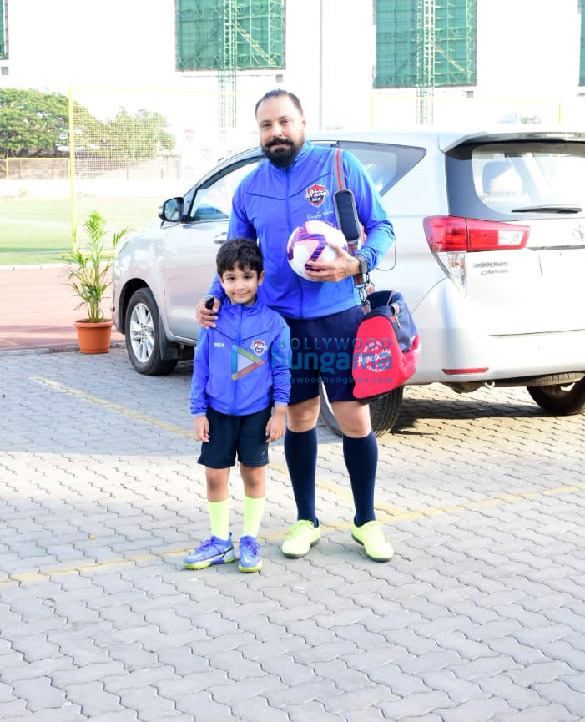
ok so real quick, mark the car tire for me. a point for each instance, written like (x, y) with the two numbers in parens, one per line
(142, 328)
(384, 411)
(560, 399)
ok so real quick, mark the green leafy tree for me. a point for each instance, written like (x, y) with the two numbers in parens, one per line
(31, 122)
(37, 124)
(136, 136)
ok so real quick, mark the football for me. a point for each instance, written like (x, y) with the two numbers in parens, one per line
(311, 242)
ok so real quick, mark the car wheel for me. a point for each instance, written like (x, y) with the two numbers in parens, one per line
(384, 411)
(561, 399)
(141, 328)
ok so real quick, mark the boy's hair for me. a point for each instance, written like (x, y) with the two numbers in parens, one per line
(239, 252)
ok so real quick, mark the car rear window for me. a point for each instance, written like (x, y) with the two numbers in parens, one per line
(518, 180)
(385, 163)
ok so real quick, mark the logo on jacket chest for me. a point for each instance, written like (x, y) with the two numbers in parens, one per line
(316, 194)
(258, 347)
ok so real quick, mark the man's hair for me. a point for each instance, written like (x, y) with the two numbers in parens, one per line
(277, 93)
(239, 252)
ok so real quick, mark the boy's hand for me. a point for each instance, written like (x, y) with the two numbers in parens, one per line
(276, 424)
(201, 428)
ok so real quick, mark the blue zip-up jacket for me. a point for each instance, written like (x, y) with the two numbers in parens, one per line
(271, 202)
(242, 365)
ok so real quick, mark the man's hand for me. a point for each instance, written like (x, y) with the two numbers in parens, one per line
(201, 428)
(276, 424)
(343, 266)
(206, 317)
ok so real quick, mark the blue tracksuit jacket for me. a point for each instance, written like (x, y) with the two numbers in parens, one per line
(271, 202)
(242, 365)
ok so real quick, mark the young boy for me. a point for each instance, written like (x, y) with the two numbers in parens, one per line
(241, 369)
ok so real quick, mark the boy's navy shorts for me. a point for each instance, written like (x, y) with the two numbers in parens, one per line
(322, 348)
(245, 435)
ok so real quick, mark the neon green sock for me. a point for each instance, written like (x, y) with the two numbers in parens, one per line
(253, 513)
(219, 516)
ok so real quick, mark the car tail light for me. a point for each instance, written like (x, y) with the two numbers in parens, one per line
(454, 234)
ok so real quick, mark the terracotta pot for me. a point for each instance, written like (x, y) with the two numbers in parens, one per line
(94, 337)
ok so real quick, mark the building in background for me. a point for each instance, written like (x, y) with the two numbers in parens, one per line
(352, 62)
(160, 90)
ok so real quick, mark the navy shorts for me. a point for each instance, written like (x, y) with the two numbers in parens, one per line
(245, 435)
(322, 348)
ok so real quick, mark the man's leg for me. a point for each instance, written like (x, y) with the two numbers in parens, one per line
(360, 451)
(300, 450)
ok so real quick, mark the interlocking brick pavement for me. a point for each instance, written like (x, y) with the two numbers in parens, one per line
(479, 616)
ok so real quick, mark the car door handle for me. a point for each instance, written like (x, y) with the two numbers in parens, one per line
(220, 238)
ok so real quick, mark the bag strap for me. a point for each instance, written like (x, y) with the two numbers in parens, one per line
(339, 170)
(349, 219)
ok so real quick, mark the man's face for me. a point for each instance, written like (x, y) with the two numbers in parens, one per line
(282, 130)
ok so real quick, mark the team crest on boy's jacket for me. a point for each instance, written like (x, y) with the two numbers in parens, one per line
(316, 194)
(258, 347)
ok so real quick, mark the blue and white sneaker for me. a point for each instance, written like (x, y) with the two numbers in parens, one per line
(212, 551)
(250, 554)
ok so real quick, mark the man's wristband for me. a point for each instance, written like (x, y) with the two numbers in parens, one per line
(361, 259)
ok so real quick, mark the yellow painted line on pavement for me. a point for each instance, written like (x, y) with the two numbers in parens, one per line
(48, 574)
(334, 489)
(395, 518)
(389, 514)
(136, 415)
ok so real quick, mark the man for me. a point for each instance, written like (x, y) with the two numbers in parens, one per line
(297, 182)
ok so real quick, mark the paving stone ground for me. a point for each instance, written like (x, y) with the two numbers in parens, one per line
(480, 615)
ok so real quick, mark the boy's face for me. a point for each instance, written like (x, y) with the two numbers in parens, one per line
(241, 285)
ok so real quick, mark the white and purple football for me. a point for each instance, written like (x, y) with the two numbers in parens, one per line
(313, 241)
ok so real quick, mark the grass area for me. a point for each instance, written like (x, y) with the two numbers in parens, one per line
(38, 230)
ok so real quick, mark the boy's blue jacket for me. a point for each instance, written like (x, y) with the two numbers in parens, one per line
(271, 202)
(242, 365)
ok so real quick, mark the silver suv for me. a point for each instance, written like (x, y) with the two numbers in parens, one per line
(490, 257)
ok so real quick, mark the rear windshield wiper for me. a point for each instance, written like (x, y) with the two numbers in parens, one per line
(548, 209)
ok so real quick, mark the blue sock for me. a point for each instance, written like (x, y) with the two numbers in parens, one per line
(361, 461)
(300, 452)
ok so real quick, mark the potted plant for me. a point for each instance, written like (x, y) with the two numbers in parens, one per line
(88, 275)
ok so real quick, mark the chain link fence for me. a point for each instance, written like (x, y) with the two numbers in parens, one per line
(127, 150)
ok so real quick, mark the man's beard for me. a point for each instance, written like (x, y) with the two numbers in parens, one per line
(283, 157)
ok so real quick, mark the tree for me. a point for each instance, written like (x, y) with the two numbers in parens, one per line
(135, 136)
(37, 124)
(31, 123)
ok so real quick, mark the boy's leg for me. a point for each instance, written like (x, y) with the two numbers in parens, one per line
(254, 497)
(254, 503)
(218, 501)
(218, 549)
(253, 455)
(217, 455)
